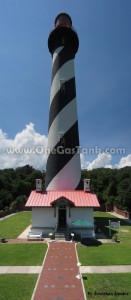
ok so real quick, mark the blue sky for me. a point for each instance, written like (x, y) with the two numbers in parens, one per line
(103, 76)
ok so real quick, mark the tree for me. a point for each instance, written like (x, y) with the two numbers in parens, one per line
(5, 198)
(110, 185)
(123, 200)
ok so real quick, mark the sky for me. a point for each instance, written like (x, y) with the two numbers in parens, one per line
(103, 80)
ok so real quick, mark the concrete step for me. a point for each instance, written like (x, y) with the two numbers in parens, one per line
(59, 239)
(62, 236)
(59, 235)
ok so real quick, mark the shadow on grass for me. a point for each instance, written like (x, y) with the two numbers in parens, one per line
(84, 277)
(102, 224)
(90, 242)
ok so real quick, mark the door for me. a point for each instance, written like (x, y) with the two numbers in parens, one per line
(62, 218)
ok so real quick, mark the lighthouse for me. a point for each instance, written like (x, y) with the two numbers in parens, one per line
(63, 170)
(56, 208)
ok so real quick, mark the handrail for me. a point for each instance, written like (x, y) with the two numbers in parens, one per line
(56, 226)
(67, 226)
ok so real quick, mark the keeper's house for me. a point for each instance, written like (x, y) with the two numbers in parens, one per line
(54, 211)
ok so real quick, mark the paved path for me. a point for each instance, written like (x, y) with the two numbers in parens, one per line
(58, 277)
(20, 269)
(120, 217)
(83, 269)
(105, 269)
(8, 216)
(24, 234)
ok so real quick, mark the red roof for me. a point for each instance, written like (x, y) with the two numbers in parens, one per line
(78, 198)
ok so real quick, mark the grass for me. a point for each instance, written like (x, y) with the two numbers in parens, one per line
(107, 286)
(111, 253)
(13, 226)
(22, 254)
(104, 255)
(102, 221)
(17, 286)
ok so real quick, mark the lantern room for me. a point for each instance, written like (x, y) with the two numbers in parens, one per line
(63, 19)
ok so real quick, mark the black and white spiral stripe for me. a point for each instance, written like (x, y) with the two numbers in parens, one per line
(63, 164)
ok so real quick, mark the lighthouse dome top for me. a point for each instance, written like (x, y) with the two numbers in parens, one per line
(63, 34)
(63, 19)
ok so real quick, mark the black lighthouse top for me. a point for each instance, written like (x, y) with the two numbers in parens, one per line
(63, 34)
(64, 20)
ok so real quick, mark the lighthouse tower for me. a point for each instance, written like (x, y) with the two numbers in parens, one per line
(63, 202)
(63, 170)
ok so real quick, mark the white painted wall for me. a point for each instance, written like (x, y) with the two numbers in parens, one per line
(43, 217)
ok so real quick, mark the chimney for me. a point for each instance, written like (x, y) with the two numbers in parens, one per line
(86, 185)
(38, 185)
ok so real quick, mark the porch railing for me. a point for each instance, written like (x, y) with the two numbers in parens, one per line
(56, 226)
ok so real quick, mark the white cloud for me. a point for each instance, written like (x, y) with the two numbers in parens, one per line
(102, 161)
(84, 162)
(124, 162)
(108, 167)
(26, 148)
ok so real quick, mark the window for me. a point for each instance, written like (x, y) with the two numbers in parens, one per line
(62, 139)
(63, 20)
(62, 86)
(69, 212)
(54, 212)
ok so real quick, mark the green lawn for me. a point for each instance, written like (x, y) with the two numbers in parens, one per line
(17, 287)
(22, 254)
(104, 255)
(107, 286)
(102, 221)
(13, 226)
(111, 253)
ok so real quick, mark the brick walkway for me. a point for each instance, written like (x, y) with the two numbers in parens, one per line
(58, 277)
